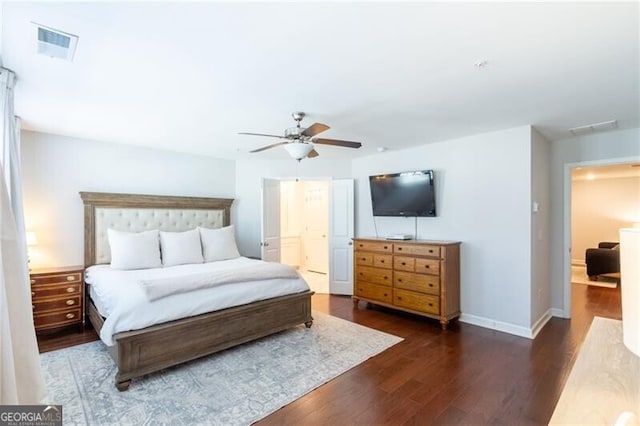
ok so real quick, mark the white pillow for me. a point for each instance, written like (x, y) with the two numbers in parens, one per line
(134, 250)
(218, 244)
(179, 248)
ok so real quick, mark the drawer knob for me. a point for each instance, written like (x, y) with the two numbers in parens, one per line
(385, 295)
(361, 274)
(33, 281)
(430, 304)
(70, 289)
(70, 278)
(399, 280)
(426, 266)
(430, 251)
(399, 298)
(364, 258)
(403, 263)
(70, 302)
(33, 307)
(382, 261)
(33, 293)
(70, 315)
(430, 285)
(386, 277)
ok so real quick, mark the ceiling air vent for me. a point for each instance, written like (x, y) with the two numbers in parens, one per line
(54, 43)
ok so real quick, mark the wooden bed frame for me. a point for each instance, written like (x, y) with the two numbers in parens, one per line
(154, 348)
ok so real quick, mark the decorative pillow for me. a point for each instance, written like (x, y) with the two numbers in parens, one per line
(218, 244)
(134, 250)
(179, 248)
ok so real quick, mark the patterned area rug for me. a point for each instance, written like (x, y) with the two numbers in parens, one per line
(235, 387)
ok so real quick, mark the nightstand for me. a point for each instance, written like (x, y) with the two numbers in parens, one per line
(57, 296)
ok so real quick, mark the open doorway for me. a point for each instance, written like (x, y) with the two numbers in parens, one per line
(603, 198)
(304, 227)
(309, 224)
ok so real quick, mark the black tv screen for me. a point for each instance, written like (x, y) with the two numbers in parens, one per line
(403, 194)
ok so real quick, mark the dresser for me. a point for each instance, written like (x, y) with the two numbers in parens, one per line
(57, 296)
(417, 276)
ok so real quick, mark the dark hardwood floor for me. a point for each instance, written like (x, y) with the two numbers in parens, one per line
(465, 375)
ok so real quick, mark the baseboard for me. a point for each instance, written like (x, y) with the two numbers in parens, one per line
(578, 262)
(559, 313)
(542, 321)
(497, 325)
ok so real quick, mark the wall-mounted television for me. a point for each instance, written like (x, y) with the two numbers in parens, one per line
(403, 194)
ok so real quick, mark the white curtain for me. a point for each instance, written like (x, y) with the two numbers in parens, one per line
(21, 380)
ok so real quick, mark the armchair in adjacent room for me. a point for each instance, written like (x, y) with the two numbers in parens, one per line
(602, 260)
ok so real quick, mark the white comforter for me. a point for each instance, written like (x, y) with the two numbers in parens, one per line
(126, 307)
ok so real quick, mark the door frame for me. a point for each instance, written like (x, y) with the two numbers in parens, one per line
(567, 228)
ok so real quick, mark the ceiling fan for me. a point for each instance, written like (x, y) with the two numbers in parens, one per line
(300, 141)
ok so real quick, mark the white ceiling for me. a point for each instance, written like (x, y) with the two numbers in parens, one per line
(190, 76)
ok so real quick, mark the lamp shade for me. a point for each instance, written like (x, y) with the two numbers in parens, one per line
(32, 240)
(298, 150)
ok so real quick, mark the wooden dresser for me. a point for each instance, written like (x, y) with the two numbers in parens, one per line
(57, 297)
(417, 276)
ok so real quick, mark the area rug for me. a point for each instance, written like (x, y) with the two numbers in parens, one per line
(579, 276)
(235, 387)
(604, 381)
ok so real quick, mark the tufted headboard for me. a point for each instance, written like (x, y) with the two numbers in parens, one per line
(135, 213)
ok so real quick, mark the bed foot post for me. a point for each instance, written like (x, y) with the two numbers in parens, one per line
(308, 324)
(123, 385)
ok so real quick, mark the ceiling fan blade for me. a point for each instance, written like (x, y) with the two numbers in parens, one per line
(261, 134)
(269, 146)
(314, 129)
(313, 154)
(337, 142)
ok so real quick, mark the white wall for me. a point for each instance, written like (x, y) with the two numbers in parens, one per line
(540, 230)
(483, 196)
(614, 146)
(56, 168)
(249, 173)
(599, 208)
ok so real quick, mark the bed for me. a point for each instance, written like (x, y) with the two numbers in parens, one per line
(156, 347)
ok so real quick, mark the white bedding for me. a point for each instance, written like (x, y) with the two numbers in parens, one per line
(124, 303)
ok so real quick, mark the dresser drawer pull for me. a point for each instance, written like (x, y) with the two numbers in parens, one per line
(399, 248)
(363, 258)
(361, 273)
(430, 285)
(33, 307)
(430, 251)
(361, 245)
(33, 294)
(70, 289)
(399, 280)
(430, 304)
(404, 263)
(399, 298)
(382, 261)
(70, 302)
(386, 247)
(70, 315)
(33, 281)
(427, 266)
(385, 295)
(70, 278)
(386, 278)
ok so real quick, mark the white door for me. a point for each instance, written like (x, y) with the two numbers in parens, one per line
(316, 226)
(341, 230)
(270, 243)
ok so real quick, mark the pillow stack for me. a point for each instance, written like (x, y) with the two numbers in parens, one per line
(154, 249)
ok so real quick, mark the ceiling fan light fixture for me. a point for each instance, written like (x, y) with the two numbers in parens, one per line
(298, 150)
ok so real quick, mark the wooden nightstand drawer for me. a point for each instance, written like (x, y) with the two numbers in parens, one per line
(374, 246)
(374, 275)
(40, 306)
(417, 250)
(417, 282)
(416, 301)
(57, 297)
(37, 279)
(374, 292)
(57, 319)
(40, 292)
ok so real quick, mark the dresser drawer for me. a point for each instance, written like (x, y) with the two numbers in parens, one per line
(417, 282)
(428, 266)
(75, 277)
(363, 258)
(56, 319)
(374, 275)
(38, 292)
(401, 263)
(383, 261)
(416, 301)
(416, 250)
(55, 304)
(379, 246)
(374, 292)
